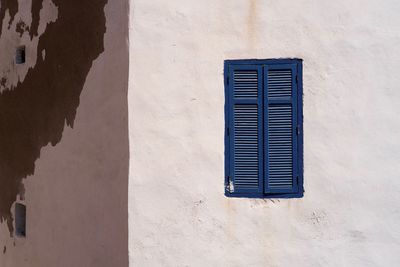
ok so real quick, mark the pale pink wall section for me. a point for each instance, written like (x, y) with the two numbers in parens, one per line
(76, 201)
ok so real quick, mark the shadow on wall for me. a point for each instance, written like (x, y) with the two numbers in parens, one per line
(34, 113)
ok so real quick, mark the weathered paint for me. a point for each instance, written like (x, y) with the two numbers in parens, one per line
(63, 125)
(350, 212)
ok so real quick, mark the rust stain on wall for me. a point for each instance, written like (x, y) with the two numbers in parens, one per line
(34, 113)
(252, 23)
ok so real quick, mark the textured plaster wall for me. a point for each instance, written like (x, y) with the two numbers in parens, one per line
(66, 108)
(19, 33)
(350, 214)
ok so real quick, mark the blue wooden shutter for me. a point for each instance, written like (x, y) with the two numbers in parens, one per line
(245, 129)
(280, 115)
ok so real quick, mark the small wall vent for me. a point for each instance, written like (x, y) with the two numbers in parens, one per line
(20, 220)
(20, 55)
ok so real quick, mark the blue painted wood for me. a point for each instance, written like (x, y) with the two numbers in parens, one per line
(300, 147)
(245, 129)
(226, 135)
(280, 122)
(280, 98)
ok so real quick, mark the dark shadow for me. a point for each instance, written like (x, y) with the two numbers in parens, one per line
(34, 113)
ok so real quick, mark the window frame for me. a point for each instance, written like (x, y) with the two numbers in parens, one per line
(300, 149)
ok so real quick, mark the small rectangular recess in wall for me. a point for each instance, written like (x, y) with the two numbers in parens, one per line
(20, 55)
(20, 220)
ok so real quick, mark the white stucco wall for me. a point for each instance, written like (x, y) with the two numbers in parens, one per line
(350, 213)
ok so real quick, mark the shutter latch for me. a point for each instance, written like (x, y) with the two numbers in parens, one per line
(229, 185)
(298, 129)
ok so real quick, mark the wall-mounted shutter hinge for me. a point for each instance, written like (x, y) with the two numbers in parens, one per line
(297, 79)
(227, 131)
(297, 180)
(227, 80)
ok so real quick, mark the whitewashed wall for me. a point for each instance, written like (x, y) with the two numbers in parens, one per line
(350, 214)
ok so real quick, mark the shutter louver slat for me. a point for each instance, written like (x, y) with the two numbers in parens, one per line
(246, 84)
(280, 161)
(246, 147)
(279, 83)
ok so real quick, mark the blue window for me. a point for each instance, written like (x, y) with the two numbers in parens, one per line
(263, 128)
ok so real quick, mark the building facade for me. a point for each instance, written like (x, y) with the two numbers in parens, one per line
(113, 133)
(64, 133)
